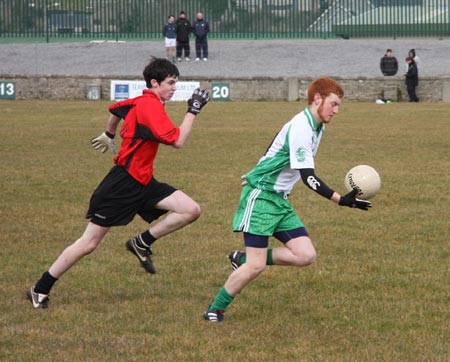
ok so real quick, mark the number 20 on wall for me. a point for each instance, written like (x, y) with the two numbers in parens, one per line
(220, 91)
(7, 90)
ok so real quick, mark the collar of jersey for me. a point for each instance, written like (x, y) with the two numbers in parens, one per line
(152, 93)
(312, 121)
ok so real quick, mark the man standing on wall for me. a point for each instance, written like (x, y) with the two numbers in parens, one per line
(201, 30)
(170, 38)
(389, 64)
(183, 29)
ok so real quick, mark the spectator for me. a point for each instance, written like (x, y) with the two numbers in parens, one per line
(201, 30)
(170, 38)
(412, 54)
(389, 64)
(183, 29)
(412, 79)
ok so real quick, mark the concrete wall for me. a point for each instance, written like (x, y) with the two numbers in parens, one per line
(433, 89)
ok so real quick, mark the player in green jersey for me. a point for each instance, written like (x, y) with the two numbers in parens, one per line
(264, 209)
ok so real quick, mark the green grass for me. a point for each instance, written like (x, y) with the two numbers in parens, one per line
(378, 292)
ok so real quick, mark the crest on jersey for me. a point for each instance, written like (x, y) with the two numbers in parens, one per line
(301, 154)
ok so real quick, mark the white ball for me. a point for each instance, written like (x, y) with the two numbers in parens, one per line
(365, 179)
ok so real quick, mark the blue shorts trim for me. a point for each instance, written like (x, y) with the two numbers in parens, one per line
(287, 235)
(256, 241)
(261, 241)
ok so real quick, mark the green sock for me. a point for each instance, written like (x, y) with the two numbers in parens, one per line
(222, 300)
(268, 262)
(269, 257)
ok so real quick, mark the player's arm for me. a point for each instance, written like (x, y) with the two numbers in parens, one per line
(311, 180)
(197, 101)
(106, 139)
(118, 112)
(185, 130)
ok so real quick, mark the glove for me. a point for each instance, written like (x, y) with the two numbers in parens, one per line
(350, 200)
(103, 142)
(198, 99)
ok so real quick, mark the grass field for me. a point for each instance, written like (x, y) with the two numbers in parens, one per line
(378, 292)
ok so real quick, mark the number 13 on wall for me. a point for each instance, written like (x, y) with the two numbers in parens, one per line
(220, 91)
(7, 90)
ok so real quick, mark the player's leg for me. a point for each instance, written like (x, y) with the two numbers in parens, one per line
(38, 294)
(256, 254)
(297, 252)
(85, 245)
(182, 211)
(254, 266)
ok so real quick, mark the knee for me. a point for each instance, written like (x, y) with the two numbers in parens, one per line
(306, 258)
(309, 258)
(87, 246)
(194, 212)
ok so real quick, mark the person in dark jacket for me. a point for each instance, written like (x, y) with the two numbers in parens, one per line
(183, 29)
(389, 64)
(412, 79)
(201, 30)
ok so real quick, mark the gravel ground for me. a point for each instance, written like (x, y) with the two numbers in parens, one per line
(228, 58)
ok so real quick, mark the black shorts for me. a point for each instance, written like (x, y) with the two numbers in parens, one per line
(119, 198)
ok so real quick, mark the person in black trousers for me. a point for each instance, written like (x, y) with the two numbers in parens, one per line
(183, 29)
(412, 79)
(201, 30)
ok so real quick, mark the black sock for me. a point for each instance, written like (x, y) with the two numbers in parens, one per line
(45, 284)
(145, 240)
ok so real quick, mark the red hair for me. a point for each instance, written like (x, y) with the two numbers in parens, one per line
(324, 86)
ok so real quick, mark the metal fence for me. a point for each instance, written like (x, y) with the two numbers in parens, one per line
(54, 20)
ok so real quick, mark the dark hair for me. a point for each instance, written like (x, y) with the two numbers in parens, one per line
(388, 50)
(159, 69)
(413, 52)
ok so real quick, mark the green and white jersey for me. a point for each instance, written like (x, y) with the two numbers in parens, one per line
(293, 148)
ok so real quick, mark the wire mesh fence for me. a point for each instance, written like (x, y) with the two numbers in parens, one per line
(54, 20)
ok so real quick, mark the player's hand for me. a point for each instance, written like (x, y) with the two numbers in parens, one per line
(103, 142)
(198, 99)
(350, 200)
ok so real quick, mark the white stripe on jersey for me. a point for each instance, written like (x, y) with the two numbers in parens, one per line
(245, 223)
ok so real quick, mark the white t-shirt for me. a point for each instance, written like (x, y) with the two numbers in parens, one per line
(293, 148)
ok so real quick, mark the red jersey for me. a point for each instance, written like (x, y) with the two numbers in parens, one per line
(146, 125)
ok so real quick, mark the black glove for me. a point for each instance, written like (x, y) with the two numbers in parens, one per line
(350, 200)
(198, 99)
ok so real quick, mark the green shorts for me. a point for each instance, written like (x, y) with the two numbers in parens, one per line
(264, 213)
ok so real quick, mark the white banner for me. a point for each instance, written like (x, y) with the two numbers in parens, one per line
(125, 89)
